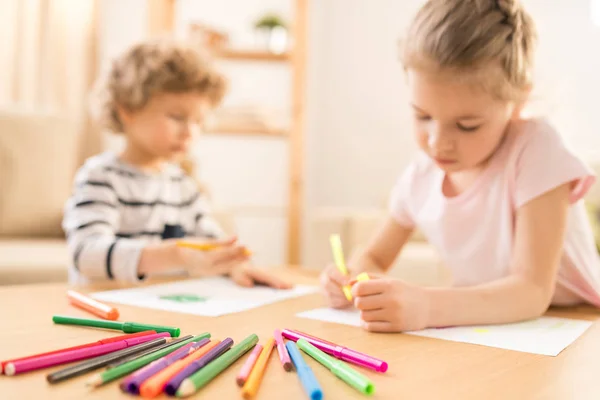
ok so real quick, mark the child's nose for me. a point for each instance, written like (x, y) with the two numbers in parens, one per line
(188, 130)
(439, 140)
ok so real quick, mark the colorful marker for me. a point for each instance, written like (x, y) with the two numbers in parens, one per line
(338, 368)
(127, 327)
(101, 361)
(340, 263)
(81, 346)
(284, 357)
(122, 370)
(175, 382)
(253, 383)
(206, 246)
(156, 384)
(201, 378)
(340, 352)
(242, 377)
(95, 307)
(132, 383)
(305, 374)
(18, 367)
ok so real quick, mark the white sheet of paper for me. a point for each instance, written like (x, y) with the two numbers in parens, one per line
(207, 297)
(546, 335)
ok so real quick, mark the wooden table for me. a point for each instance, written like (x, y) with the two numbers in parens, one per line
(420, 368)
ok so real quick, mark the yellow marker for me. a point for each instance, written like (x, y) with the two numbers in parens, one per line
(363, 276)
(205, 246)
(338, 258)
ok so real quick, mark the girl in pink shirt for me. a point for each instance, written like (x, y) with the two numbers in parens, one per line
(498, 196)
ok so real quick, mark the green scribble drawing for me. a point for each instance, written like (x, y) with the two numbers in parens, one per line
(184, 298)
(558, 325)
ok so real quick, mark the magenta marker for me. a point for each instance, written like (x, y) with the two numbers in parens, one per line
(50, 360)
(339, 352)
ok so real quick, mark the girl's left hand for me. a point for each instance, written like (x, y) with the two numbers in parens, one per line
(390, 305)
(244, 274)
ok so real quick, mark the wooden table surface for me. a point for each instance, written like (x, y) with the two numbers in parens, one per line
(419, 368)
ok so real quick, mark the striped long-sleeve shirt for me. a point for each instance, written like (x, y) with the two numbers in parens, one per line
(116, 210)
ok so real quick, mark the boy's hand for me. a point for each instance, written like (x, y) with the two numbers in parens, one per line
(247, 275)
(332, 281)
(219, 261)
(390, 305)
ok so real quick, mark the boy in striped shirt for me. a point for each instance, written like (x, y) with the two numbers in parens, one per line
(128, 209)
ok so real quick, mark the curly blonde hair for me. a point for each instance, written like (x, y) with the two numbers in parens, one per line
(149, 68)
(472, 36)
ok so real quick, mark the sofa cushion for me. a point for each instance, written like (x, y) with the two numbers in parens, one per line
(33, 261)
(38, 156)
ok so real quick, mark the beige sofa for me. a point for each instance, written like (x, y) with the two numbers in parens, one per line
(38, 156)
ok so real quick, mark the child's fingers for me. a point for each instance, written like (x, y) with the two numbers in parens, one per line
(370, 287)
(241, 278)
(339, 302)
(266, 278)
(333, 288)
(336, 276)
(367, 303)
(379, 326)
(374, 316)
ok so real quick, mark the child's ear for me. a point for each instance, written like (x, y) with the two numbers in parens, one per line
(521, 103)
(125, 115)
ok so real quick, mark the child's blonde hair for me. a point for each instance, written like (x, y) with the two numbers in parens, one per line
(150, 68)
(491, 40)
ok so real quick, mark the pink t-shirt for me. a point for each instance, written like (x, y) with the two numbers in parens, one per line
(474, 231)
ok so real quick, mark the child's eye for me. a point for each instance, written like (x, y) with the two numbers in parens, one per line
(468, 128)
(423, 117)
(176, 117)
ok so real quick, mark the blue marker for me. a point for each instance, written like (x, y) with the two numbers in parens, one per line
(305, 374)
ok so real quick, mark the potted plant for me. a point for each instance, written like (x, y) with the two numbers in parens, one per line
(272, 33)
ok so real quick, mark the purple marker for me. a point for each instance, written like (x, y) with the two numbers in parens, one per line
(133, 382)
(172, 386)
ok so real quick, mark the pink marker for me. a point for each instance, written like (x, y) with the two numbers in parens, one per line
(30, 364)
(339, 352)
(284, 357)
(242, 377)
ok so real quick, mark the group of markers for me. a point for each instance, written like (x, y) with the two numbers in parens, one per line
(153, 359)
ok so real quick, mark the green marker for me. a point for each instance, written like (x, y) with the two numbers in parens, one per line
(198, 380)
(339, 369)
(122, 370)
(127, 327)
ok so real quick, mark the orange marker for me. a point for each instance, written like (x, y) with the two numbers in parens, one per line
(95, 307)
(252, 384)
(155, 385)
(206, 246)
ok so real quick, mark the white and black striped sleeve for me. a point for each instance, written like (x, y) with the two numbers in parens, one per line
(90, 221)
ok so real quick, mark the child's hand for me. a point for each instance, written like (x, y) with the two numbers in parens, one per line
(219, 261)
(246, 275)
(331, 285)
(390, 305)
